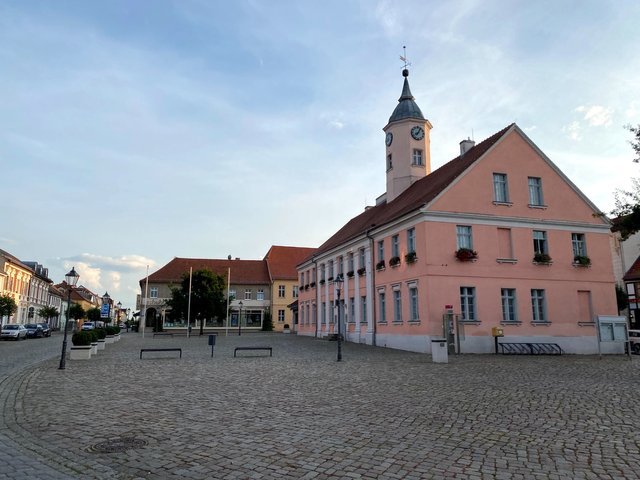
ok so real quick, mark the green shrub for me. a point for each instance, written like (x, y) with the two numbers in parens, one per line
(81, 338)
(93, 334)
(113, 330)
(102, 333)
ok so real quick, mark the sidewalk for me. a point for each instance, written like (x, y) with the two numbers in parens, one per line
(381, 413)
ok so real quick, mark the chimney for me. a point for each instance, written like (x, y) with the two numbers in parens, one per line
(466, 145)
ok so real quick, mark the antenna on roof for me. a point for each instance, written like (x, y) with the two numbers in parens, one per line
(403, 57)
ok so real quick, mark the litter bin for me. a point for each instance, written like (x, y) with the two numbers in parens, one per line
(439, 353)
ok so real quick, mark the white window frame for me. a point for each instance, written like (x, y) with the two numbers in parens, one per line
(382, 306)
(468, 311)
(536, 198)
(411, 240)
(260, 294)
(464, 237)
(281, 316)
(416, 158)
(363, 309)
(282, 291)
(247, 294)
(380, 250)
(395, 246)
(540, 243)
(397, 305)
(509, 305)
(414, 307)
(538, 306)
(500, 188)
(579, 244)
(153, 292)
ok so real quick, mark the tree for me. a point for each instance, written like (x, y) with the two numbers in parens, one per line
(76, 311)
(267, 324)
(627, 203)
(93, 314)
(207, 298)
(7, 306)
(48, 313)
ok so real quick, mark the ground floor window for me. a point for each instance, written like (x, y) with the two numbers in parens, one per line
(280, 316)
(509, 311)
(468, 304)
(538, 305)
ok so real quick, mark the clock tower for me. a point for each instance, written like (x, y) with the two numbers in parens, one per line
(407, 158)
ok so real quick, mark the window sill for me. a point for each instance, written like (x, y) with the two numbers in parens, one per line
(539, 207)
(516, 323)
(397, 322)
(382, 322)
(580, 265)
(507, 260)
(506, 204)
(587, 324)
(547, 264)
(469, 322)
(414, 322)
(541, 324)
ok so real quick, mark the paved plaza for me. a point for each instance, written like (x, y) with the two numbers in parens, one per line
(379, 414)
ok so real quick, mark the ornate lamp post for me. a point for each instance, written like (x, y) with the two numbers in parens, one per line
(240, 319)
(338, 283)
(72, 279)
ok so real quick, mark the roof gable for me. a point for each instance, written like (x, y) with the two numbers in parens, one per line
(246, 272)
(281, 261)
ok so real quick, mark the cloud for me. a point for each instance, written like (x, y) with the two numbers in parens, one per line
(596, 115)
(573, 131)
(89, 275)
(123, 264)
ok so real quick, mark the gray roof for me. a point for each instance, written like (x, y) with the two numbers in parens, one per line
(407, 107)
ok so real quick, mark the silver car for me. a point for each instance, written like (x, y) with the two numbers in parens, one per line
(13, 331)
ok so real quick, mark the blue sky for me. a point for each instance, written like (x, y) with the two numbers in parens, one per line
(135, 131)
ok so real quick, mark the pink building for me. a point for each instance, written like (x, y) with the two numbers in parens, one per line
(497, 237)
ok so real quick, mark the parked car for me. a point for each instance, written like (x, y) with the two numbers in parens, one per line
(88, 326)
(14, 331)
(634, 340)
(46, 329)
(34, 330)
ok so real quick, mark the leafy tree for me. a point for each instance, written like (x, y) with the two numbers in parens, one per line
(48, 313)
(267, 324)
(93, 314)
(76, 311)
(207, 298)
(627, 203)
(7, 306)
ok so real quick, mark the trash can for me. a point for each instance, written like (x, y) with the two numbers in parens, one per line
(439, 353)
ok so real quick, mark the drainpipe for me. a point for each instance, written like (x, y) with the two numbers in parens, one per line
(373, 279)
(315, 280)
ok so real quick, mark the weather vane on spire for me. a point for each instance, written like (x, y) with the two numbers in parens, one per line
(403, 57)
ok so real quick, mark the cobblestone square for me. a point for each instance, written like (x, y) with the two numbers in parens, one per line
(379, 414)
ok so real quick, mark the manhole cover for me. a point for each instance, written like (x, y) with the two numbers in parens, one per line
(117, 445)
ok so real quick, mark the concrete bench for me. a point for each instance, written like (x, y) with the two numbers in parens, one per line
(253, 348)
(160, 350)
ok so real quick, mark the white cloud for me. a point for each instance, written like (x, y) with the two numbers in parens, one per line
(125, 263)
(596, 115)
(89, 275)
(573, 131)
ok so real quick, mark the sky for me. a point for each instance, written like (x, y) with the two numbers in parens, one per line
(133, 132)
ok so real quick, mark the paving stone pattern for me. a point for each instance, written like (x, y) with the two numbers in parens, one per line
(379, 414)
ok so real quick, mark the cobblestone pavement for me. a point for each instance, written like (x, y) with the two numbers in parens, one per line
(380, 414)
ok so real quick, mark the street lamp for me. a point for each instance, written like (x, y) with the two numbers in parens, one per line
(72, 279)
(105, 301)
(338, 283)
(240, 319)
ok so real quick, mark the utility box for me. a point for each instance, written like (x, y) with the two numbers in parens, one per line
(497, 332)
(212, 340)
(439, 351)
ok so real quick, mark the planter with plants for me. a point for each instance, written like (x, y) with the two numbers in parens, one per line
(411, 257)
(380, 265)
(542, 259)
(102, 334)
(94, 341)
(81, 349)
(322, 282)
(466, 254)
(581, 261)
(350, 273)
(362, 271)
(394, 261)
(312, 284)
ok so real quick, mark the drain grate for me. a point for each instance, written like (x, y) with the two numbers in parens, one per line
(117, 445)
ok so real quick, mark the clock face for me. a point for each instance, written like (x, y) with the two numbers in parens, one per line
(417, 133)
(388, 139)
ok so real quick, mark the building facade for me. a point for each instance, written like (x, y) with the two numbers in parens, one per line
(497, 237)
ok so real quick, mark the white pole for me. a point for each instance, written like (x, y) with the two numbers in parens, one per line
(146, 295)
(226, 330)
(189, 304)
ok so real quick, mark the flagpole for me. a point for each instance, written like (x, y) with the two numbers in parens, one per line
(146, 295)
(189, 304)
(226, 330)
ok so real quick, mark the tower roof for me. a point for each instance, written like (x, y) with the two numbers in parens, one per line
(407, 107)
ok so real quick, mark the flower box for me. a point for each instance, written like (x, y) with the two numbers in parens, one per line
(362, 271)
(466, 254)
(102, 344)
(394, 261)
(542, 258)
(80, 352)
(380, 265)
(110, 338)
(411, 257)
(350, 273)
(581, 261)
